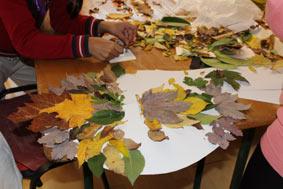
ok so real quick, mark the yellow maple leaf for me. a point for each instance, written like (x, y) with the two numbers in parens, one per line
(197, 105)
(89, 148)
(114, 160)
(75, 111)
(181, 93)
(120, 146)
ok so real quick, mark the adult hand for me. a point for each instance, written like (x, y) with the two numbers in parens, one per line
(123, 30)
(104, 50)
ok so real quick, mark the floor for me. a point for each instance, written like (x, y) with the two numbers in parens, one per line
(217, 174)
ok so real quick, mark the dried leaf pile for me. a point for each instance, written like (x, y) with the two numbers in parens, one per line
(218, 47)
(177, 107)
(79, 120)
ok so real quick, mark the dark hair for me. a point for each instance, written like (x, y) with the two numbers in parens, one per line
(74, 7)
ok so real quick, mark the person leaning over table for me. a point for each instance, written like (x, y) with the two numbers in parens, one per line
(21, 38)
(265, 168)
(74, 36)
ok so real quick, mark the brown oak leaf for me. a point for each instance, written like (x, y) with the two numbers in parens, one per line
(157, 136)
(44, 121)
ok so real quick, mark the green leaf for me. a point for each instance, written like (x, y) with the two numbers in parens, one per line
(207, 98)
(174, 20)
(205, 119)
(218, 77)
(134, 165)
(118, 70)
(221, 42)
(95, 164)
(105, 117)
(198, 82)
(217, 64)
(230, 60)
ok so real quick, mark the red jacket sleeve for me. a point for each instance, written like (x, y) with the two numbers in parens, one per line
(61, 21)
(30, 42)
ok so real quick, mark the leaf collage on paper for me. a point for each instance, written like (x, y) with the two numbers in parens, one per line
(178, 107)
(169, 107)
(79, 118)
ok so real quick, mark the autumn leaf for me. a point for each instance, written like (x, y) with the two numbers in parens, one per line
(134, 165)
(153, 125)
(90, 147)
(96, 163)
(114, 160)
(198, 82)
(162, 106)
(44, 121)
(54, 137)
(205, 119)
(197, 105)
(227, 106)
(105, 117)
(131, 145)
(186, 122)
(67, 150)
(118, 134)
(218, 78)
(31, 110)
(120, 146)
(157, 136)
(75, 111)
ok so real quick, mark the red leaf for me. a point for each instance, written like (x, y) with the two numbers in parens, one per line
(31, 110)
(44, 121)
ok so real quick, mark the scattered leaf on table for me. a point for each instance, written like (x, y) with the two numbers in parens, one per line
(157, 135)
(108, 75)
(197, 105)
(212, 62)
(55, 137)
(120, 146)
(198, 82)
(118, 70)
(76, 111)
(105, 117)
(230, 60)
(96, 163)
(205, 119)
(131, 145)
(67, 150)
(114, 160)
(119, 16)
(134, 165)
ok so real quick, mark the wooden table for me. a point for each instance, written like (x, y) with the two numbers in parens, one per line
(49, 73)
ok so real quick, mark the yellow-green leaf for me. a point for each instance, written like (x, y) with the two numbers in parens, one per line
(120, 146)
(197, 105)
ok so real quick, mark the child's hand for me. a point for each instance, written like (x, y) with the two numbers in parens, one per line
(104, 50)
(123, 30)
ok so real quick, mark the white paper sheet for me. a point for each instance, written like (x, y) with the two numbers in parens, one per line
(188, 145)
(128, 55)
